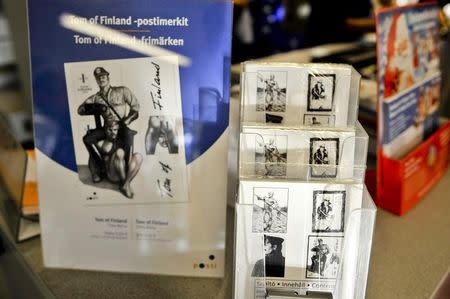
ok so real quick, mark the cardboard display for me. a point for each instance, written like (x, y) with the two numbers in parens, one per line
(130, 115)
(411, 154)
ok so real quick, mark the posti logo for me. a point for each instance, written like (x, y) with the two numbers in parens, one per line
(204, 266)
(209, 265)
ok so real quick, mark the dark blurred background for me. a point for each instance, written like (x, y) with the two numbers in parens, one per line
(265, 27)
(260, 28)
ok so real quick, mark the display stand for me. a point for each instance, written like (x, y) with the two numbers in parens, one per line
(403, 183)
(412, 150)
(299, 145)
(304, 219)
(134, 119)
(350, 278)
(13, 169)
(352, 273)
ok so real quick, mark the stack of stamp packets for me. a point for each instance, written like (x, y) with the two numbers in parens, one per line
(302, 160)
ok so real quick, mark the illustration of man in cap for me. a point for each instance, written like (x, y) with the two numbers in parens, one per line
(319, 259)
(324, 209)
(318, 91)
(112, 104)
(274, 260)
(325, 215)
(321, 155)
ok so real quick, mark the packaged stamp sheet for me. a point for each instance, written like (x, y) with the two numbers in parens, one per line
(314, 95)
(290, 236)
(300, 154)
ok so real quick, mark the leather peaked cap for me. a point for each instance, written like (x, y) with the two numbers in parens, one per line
(99, 71)
(273, 240)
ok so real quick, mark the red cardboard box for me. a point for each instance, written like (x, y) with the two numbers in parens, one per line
(401, 184)
(411, 154)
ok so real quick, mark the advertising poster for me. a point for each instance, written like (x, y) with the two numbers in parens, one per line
(409, 77)
(412, 144)
(130, 115)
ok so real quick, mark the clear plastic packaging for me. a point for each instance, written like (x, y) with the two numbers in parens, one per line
(296, 95)
(314, 265)
(303, 154)
(304, 219)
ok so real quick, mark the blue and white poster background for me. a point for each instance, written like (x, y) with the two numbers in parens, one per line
(204, 81)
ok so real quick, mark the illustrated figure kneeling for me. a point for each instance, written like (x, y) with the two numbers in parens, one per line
(116, 168)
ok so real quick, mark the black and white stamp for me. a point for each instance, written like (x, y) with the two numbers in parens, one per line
(318, 120)
(127, 136)
(161, 133)
(321, 92)
(271, 91)
(271, 155)
(270, 210)
(113, 162)
(328, 211)
(273, 263)
(324, 157)
(324, 256)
